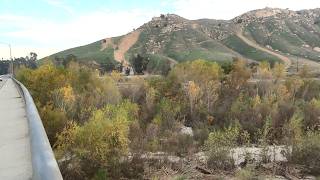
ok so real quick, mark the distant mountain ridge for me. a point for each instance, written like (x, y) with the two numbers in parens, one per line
(266, 34)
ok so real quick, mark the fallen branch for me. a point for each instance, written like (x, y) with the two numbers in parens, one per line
(202, 170)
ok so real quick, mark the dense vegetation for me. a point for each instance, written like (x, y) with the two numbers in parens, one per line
(105, 127)
(90, 52)
(28, 61)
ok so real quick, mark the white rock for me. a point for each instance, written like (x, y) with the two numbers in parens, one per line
(316, 49)
(253, 154)
(310, 178)
(201, 157)
(306, 45)
(174, 159)
(256, 154)
(186, 130)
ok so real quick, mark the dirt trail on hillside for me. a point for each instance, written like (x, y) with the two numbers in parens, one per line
(289, 63)
(125, 44)
(286, 60)
(172, 61)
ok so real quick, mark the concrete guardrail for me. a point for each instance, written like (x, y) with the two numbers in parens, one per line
(44, 164)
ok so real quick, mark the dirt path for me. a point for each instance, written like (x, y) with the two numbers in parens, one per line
(290, 63)
(286, 60)
(172, 61)
(125, 44)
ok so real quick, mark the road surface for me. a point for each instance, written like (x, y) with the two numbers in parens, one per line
(15, 152)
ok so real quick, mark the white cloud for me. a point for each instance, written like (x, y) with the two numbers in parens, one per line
(22, 51)
(60, 4)
(46, 36)
(228, 9)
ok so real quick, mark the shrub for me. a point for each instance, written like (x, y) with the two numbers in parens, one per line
(133, 169)
(201, 135)
(312, 114)
(218, 148)
(167, 114)
(100, 175)
(43, 81)
(306, 152)
(245, 174)
(100, 142)
(54, 120)
(180, 177)
(179, 144)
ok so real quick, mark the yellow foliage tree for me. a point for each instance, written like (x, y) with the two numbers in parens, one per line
(201, 78)
(103, 139)
(264, 70)
(116, 76)
(150, 98)
(193, 92)
(239, 74)
(43, 81)
(304, 72)
(279, 70)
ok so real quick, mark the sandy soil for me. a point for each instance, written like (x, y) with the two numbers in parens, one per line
(125, 44)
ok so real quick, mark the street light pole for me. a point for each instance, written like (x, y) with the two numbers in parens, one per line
(12, 69)
(297, 65)
(9, 45)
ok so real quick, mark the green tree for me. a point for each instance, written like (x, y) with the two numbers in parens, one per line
(140, 63)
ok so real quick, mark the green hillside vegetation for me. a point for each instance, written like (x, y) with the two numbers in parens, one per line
(158, 64)
(191, 44)
(238, 45)
(90, 52)
(181, 46)
(172, 38)
(289, 38)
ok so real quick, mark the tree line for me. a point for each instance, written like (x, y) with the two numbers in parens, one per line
(28, 61)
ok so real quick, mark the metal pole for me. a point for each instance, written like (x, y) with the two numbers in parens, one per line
(12, 69)
(9, 45)
(297, 65)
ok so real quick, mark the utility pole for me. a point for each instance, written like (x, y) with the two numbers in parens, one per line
(297, 65)
(11, 61)
(9, 45)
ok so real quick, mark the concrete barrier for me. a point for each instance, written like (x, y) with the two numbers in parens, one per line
(44, 164)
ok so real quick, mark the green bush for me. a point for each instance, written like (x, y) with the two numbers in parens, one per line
(54, 120)
(218, 147)
(245, 174)
(306, 152)
(180, 177)
(100, 175)
(200, 135)
(100, 142)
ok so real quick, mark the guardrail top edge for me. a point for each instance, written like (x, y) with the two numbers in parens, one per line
(44, 164)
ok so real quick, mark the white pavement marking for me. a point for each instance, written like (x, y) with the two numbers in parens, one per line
(15, 152)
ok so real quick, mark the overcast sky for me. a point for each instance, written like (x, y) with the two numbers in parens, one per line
(48, 26)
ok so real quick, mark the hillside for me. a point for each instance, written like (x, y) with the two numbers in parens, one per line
(265, 34)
